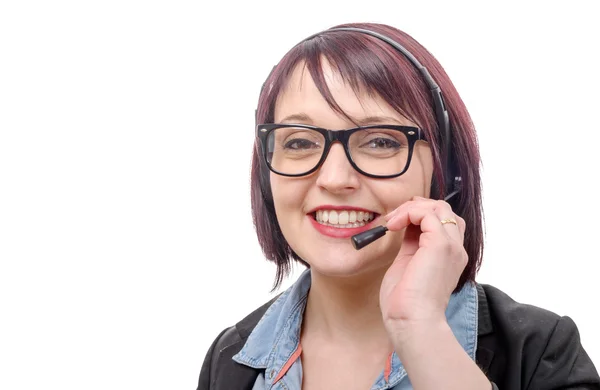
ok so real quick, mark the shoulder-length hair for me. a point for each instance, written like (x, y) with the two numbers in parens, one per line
(370, 65)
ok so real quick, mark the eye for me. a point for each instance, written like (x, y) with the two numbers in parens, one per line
(382, 143)
(300, 144)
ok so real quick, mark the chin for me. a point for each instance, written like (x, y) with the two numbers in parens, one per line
(344, 262)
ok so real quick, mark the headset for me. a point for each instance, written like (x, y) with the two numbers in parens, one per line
(452, 180)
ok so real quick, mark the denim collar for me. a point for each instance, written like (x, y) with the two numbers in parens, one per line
(277, 335)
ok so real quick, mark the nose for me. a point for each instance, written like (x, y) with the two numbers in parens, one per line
(336, 175)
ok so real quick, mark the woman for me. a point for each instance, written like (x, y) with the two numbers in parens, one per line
(403, 311)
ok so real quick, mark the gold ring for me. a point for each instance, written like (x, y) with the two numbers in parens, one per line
(445, 221)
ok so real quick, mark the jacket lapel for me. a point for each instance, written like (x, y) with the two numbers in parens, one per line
(232, 375)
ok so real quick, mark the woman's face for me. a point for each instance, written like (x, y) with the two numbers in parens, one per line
(337, 186)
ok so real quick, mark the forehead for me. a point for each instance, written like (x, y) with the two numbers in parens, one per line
(301, 96)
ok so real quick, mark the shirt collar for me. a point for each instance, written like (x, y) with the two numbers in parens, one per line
(279, 328)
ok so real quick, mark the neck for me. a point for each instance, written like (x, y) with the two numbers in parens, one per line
(346, 310)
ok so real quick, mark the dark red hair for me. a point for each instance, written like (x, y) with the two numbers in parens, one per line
(368, 64)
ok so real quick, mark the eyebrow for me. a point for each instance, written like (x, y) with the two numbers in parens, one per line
(377, 120)
(301, 117)
(369, 120)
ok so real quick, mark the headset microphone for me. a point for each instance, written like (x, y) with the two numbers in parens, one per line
(363, 239)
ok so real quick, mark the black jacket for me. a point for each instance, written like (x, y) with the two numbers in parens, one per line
(519, 347)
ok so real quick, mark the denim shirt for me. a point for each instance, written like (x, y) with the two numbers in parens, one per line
(273, 344)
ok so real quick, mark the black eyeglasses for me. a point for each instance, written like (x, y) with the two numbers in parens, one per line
(379, 151)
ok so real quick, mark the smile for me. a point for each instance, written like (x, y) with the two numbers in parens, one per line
(343, 219)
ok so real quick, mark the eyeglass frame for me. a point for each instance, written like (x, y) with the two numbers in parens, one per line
(413, 134)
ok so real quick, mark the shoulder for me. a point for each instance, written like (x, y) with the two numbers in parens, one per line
(519, 326)
(509, 316)
(240, 331)
(528, 346)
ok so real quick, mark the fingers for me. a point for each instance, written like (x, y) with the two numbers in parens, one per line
(428, 214)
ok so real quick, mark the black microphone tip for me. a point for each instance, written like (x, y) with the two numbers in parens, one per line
(363, 239)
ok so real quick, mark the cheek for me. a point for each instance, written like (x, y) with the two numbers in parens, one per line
(288, 194)
(415, 182)
(421, 171)
(288, 199)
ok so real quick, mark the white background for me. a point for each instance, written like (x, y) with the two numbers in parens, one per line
(126, 240)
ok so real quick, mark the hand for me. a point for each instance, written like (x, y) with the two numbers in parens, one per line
(417, 287)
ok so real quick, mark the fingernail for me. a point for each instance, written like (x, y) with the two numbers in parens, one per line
(390, 220)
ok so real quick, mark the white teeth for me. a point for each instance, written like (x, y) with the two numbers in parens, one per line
(344, 218)
(349, 225)
(352, 216)
(333, 217)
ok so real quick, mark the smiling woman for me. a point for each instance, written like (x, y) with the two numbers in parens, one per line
(359, 126)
